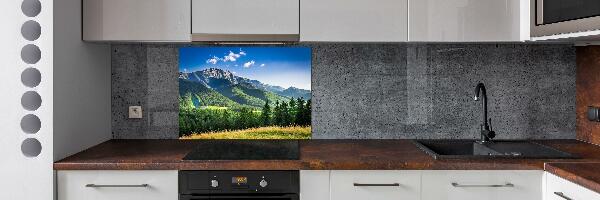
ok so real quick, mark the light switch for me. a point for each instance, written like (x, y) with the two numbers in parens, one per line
(135, 112)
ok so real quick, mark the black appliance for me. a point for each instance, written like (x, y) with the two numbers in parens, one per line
(554, 11)
(245, 150)
(551, 17)
(238, 185)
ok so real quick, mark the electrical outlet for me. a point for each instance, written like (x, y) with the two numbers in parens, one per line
(135, 112)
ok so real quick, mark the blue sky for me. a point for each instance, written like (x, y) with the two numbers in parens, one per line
(281, 66)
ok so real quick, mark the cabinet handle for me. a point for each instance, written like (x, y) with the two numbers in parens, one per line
(470, 186)
(376, 184)
(116, 186)
(562, 195)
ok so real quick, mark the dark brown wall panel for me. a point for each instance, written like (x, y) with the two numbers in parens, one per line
(588, 92)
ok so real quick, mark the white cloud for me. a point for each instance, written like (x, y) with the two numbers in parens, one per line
(231, 57)
(213, 60)
(249, 64)
(262, 65)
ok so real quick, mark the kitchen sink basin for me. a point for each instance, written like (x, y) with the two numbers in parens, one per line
(469, 149)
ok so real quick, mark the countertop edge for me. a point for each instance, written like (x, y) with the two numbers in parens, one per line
(571, 176)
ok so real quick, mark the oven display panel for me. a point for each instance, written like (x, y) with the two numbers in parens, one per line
(239, 180)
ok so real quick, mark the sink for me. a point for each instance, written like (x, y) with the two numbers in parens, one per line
(469, 149)
(455, 148)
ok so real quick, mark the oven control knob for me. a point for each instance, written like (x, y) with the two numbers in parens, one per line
(214, 183)
(263, 183)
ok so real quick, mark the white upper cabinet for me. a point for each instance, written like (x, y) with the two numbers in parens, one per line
(354, 20)
(307, 20)
(468, 20)
(245, 20)
(136, 20)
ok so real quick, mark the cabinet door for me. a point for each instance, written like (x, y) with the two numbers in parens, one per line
(233, 20)
(354, 20)
(375, 185)
(482, 185)
(314, 185)
(136, 20)
(468, 21)
(560, 189)
(117, 185)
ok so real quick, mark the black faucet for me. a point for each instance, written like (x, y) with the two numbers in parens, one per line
(487, 134)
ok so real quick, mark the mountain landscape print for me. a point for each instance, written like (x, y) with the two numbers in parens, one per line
(244, 93)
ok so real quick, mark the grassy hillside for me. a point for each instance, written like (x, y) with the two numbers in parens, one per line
(245, 95)
(217, 105)
(271, 132)
(200, 95)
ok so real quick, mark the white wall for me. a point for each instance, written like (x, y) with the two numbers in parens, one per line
(23, 177)
(81, 74)
(82, 98)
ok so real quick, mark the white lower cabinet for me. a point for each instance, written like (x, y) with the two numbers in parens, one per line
(482, 185)
(341, 185)
(314, 184)
(117, 185)
(375, 185)
(560, 189)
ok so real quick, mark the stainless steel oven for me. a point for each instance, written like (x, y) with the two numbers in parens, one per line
(239, 185)
(551, 17)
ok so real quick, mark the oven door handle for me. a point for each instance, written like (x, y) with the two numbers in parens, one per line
(285, 196)
(254, 197)
(189, 197)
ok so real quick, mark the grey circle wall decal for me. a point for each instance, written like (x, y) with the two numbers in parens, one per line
(31, 100)
(31, 124)
(31, 147)
(31, 77)
(31, 30)
(31, 8)
(31, 54)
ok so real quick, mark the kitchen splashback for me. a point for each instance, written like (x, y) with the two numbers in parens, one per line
(382, 91)
(244, 92)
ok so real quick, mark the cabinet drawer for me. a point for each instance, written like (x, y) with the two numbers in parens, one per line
(117, 185)
(482, 185)
(560, 189)
(375, 185)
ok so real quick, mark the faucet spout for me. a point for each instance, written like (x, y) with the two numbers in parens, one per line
(480, 94)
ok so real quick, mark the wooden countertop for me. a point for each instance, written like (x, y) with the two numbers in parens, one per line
(584, 174)
(331, 155)
(314, 155)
